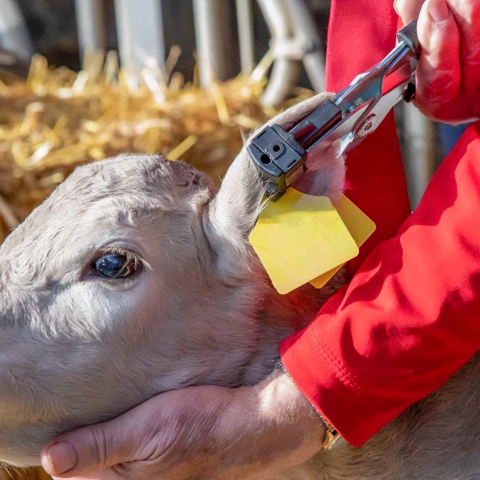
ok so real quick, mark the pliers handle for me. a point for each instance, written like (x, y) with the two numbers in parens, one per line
(347, 119)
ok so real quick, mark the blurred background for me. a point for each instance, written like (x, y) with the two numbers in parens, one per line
(53, 27)
(244, 59)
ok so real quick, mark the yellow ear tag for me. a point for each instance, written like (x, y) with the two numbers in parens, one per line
(359, 226)
(299, 238)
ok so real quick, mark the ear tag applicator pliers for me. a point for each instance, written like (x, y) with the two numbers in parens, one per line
(352, 115)
(300, 238)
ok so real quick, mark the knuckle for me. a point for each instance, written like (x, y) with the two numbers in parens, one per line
(440, 87)
(468, 13)
(471, 58)
(470, 10)
(98, 443)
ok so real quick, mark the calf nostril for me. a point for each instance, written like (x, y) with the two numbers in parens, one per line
(195, 179)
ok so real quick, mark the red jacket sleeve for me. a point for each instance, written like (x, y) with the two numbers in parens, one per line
(411, 316)
(360, 34)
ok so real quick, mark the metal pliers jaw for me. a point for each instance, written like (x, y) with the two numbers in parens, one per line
(346, 120)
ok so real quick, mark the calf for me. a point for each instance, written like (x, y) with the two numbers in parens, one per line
(136, 277)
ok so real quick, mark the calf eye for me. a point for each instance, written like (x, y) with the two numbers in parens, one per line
(115, 265)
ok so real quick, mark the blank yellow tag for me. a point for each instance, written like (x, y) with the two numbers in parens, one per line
(359, 226)
(299, 238)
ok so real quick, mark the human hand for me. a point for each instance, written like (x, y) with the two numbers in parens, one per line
(202, 432)
(448, 73)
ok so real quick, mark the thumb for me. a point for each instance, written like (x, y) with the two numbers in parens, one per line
(92, 448)
(408, 10)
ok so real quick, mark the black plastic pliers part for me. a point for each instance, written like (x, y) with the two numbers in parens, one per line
(351, 116)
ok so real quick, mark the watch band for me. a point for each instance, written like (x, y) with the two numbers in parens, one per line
(332, 435)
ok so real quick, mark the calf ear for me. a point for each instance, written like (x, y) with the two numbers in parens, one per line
(232, 214)
(238, 203)
(325, 174)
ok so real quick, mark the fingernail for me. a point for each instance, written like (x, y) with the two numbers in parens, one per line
(438, 10)
(62, 457)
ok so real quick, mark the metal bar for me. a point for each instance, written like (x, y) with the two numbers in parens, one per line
(286, 69)
(419, 151)
(306, 35)
(284, 76)
(14, 35)
(208, 21)
(140, 32)
(90, 25)
(276, 17)
(245, 35)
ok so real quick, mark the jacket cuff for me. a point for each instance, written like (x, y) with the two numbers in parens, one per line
(321, 384)
(360, 375)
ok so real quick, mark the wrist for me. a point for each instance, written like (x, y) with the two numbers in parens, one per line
(331, 434)
(279, 398)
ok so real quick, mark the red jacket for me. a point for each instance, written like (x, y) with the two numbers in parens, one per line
(410, 318)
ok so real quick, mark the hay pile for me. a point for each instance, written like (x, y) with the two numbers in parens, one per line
(58, 119)
(11, 473)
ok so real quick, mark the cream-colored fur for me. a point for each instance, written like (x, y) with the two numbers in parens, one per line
(76, 348)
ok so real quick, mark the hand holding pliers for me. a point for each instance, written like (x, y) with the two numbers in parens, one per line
(347, 119)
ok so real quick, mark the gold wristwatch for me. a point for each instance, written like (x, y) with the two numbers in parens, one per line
(332, 435)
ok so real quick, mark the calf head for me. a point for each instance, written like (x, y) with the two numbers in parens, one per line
(134, 278)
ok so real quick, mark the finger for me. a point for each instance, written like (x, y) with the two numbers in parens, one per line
(408, 10)
(91, 449)
(439, 72)
(467, 15)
